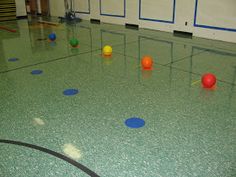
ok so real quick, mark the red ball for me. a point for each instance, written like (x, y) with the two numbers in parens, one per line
(208, 80)
(147, 62)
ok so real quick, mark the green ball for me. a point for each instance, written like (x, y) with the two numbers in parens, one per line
(74, 42)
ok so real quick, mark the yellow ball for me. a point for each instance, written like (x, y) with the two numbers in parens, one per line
(107, 50)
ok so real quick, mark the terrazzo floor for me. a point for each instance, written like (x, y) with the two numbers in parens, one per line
(189, 131)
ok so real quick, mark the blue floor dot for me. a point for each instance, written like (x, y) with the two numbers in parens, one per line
(36, 72)
(134, 122)
(70, 92)
(13, 59)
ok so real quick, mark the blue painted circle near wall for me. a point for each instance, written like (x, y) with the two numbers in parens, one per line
(36, 72)
(134, 122)
(70, 92)
(13, 59)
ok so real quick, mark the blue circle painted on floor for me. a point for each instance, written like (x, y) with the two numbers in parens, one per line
(13, 59)
(36, 72)
(134, 122)
(70, 92)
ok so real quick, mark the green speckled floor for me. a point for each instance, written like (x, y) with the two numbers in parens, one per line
(189, 131)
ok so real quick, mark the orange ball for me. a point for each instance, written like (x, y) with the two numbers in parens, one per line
(147, 62)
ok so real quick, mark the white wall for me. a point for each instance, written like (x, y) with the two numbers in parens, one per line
(214, 19)
(184, 16)
(20, 8)
(57, 8)
(94, 9)
(218, 21)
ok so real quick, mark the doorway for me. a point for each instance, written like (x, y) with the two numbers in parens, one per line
(38, 7)
(45, 7)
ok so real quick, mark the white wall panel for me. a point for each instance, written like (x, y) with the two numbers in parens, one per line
(82, 6)
(157, 10)
(112, 7)
(132, 12)
(184, 16)
(94, 9)
(216, 13)
(57, 8)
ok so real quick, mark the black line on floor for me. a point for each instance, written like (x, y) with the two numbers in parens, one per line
(61, 58)
(216, 51)
(186, 71)
(53, 153)
(171, 43)
(184, 58)
(48, 61)
(189, 42)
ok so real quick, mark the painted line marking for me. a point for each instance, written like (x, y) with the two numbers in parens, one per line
(195, 82)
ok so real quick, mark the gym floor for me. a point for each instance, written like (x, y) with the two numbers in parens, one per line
(189, 131)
